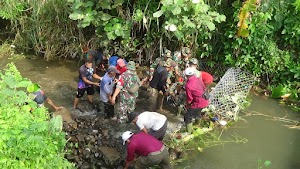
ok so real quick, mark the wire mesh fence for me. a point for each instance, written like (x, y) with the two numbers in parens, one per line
(231, 92)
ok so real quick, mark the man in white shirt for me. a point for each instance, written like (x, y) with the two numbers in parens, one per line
(152, 123)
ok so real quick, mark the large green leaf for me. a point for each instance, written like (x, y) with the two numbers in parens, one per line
(211, 26)
(179, 34)
(117, 26)
(105, 4)
(77, 5)
(188, 22)
(108, 27)
(278, 91)
(77, 15)
(118, 32)
(105, 17)
(244, 33)
(158, 14)
(220, 18)
(176, 10)
(111, 35)
(117, 3)
(88, 4)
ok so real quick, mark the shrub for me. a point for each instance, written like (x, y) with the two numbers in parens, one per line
(28, 137)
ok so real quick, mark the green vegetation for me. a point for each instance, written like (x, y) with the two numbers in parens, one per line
(265, 164)
(262, 37)
(29, 138)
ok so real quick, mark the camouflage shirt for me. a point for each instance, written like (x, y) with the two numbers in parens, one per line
(126, 81)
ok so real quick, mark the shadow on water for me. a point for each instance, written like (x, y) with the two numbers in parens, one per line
(268, 140)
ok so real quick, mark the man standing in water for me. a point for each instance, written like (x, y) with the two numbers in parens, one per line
(106, 90)
(194, 88)
(159, 84)
(127, 89)
(85, 83)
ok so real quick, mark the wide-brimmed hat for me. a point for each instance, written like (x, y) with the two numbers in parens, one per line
(185, 51)
(126, 135)
(131, 65)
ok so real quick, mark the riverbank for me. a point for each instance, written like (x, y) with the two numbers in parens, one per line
(59, 80)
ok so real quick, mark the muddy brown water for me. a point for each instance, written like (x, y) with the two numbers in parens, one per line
(268, 140)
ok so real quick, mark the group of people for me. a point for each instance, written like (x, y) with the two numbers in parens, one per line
(181, 68)
(119, 90)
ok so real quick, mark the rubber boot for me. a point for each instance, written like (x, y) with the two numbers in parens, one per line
(189, 128)
(160, 101)
(179, 110)
(197, 122)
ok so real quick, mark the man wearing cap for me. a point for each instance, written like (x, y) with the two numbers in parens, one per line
(183, 57)
(160, 61)
(159, 83)
(195, 100)
(127, 89)
(152, 123)
(96, 56)
(151, 151)
(85, 82)
(205, 76)
(106, 90)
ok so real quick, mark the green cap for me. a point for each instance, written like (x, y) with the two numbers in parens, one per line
(185, 51)
(131, 65)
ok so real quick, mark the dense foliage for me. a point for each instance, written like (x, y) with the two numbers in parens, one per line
(262, 37)
(28, 138)
(42, 27)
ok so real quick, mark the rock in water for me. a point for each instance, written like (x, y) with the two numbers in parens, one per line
(65, 114)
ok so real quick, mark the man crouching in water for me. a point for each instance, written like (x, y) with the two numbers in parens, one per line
(151, 151)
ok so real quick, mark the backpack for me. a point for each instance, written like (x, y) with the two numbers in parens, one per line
(134, 83)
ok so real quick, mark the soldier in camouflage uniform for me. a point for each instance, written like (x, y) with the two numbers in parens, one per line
(127, 89)
(182, 59)
(160, 61)
(158, 85)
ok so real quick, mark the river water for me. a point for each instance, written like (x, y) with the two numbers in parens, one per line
(268, 140)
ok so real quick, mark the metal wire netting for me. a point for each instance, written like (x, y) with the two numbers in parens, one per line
(230, 92)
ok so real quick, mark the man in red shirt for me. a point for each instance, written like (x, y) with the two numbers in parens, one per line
(205, 76)
(151, 151)
(195, 99)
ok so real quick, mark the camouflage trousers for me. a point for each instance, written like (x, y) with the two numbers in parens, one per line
(123, 108)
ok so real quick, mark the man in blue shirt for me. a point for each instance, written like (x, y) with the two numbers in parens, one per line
(106, 90)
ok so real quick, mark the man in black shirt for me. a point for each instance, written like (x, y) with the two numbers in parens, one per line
(159, 84)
